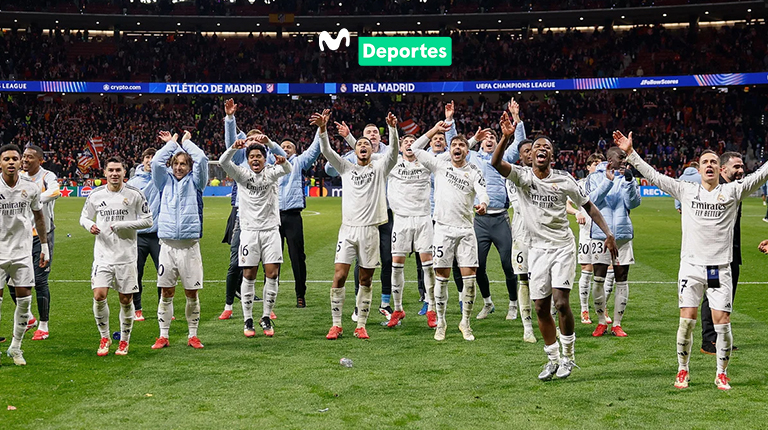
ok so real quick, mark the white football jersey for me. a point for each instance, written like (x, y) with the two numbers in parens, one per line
(363, 199)
(257, 193)
(49, 188)
(118, 215)
(708, 216)
(455, 189)
(409, 188)
(16, 218)
(519, 232)
(542, 203)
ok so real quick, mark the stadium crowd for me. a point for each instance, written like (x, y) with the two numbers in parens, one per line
(673, 127)
(641, 51)
(323, 7)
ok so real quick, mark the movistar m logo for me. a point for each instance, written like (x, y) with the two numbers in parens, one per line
(333, 43)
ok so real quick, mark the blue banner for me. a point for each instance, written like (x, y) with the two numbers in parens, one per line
(731, 79)
(651, 191)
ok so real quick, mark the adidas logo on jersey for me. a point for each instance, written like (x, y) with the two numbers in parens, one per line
(197, 284)
(2, 197)
(566, 283)
(103, 205)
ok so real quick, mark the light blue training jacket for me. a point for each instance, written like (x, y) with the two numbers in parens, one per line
(181, 201)
(143, 181)
(614, 199)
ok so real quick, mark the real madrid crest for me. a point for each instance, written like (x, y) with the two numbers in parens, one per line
(125, 201)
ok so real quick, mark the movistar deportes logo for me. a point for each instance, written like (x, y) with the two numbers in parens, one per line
(334, 43)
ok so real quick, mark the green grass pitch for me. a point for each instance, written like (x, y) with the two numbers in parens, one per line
(401, 377)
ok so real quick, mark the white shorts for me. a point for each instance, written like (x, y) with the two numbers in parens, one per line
(550, 268)
(600, 254)
(585, 250)
(458, 242)
(20, 271)
(520, 257)
(412, 233)
(361, 242)
(694, 280)
(260, 246)
(184, 263)
(123, 278)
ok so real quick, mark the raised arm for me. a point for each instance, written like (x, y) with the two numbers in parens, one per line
(450, 132)
(334, 159)
(160, 160)
(344, 132)
(424, 139)
(511, 155)
(238, 173)
(390, 155)
(308, 157)
(497, 160)
(281, 168)
(230, 130)
(670, 185)
(199, 164)
(753, 181)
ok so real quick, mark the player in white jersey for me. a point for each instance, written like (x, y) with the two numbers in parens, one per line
(585, 252)
(521, 241)
(119, 210)
(31, 162)
(408, 192)
(709, 213)
(457, 183)
(19, 204)
(363, 209)
(259, 227)
(551, 257)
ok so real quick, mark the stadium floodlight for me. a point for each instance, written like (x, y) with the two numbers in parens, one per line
(665, 15)
(218, 24)
(458, 22)
(97, 22)
(418, 22)
(378, 23)
(267, 1)
(749, 10)
(499, 21)
(581, 18)
(706, 12)
(622, 17)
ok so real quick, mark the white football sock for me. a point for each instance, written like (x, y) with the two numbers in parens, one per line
(192, 312)
(127, 313)
(598, 296)
(553, 352)
(164, 315)
(398, 281)
(568, 342)
(101, 314)
(43, 326)
(228, 308)
(724, 346)
(429, 284)
(684, 342)
(337, 304)
(247, 291)
(620, 304)
(487, 300)
(1, 301)
(524, 296)
(468, 299)
(584, 281)
(609, 278)
(270, 297)
(20, 320)
(441, 299)
(364, 299)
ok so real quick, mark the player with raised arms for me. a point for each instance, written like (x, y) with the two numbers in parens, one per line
(457, 183)
(543, 194)
(260, 226)
(709, 211)
(180, 227)
(119, 211)
(363, 209)
(409, 186)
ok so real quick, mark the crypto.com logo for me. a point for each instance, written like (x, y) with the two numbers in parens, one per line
(333, 44)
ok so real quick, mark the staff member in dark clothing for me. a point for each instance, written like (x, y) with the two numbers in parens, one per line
(731, 169)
